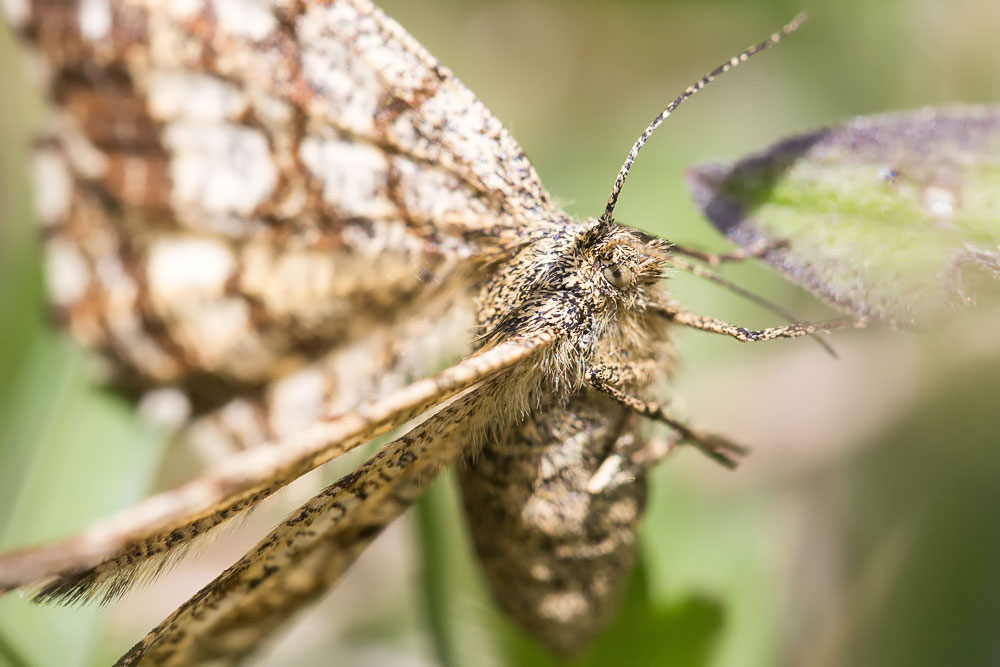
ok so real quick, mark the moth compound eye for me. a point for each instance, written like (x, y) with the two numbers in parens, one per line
(618, 275)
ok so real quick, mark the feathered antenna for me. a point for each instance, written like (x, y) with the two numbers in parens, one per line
(691, 90)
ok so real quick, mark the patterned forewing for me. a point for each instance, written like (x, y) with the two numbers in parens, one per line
(343, 378)
(105, 560)
(301, 558)
(230, 189)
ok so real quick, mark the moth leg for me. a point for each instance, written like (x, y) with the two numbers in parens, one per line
(705, 323)
(702, 272)
(705, 273)
(305, 555)
(717, 448)
(754, 251)
(629, 458)
(638, 372)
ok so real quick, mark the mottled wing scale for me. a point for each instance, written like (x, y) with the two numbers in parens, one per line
(341, 379)
(237, 198)
(301, 558)
(231, 191)
(105, 559)
(242, 186)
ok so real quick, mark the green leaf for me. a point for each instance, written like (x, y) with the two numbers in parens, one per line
(682, 634)
(920, 547)
(893, 217)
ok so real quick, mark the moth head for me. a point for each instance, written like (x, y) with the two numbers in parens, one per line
(625, 264)
(598, 272)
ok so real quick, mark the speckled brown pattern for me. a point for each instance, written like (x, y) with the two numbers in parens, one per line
(270, 212)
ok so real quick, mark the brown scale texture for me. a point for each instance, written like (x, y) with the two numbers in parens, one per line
(555, 553)
(262, 214)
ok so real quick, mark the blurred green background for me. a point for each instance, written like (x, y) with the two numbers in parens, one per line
(865, 528)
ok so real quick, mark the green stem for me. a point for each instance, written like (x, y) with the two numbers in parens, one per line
(431, 511)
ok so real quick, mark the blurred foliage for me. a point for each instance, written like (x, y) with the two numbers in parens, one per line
(860, 532)
(892, 216)
(923, 548)
(68, 453)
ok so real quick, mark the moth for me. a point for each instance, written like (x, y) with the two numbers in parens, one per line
(271, 214)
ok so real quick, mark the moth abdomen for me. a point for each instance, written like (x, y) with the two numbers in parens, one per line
(556, 550)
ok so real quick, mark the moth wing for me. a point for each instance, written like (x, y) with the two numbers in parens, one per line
(301, 558)
(411, 346)
(104, 561)
(230, 190)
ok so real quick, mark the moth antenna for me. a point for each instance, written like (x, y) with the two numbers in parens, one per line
(792, 26)
(711, 276)
(685, 318)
